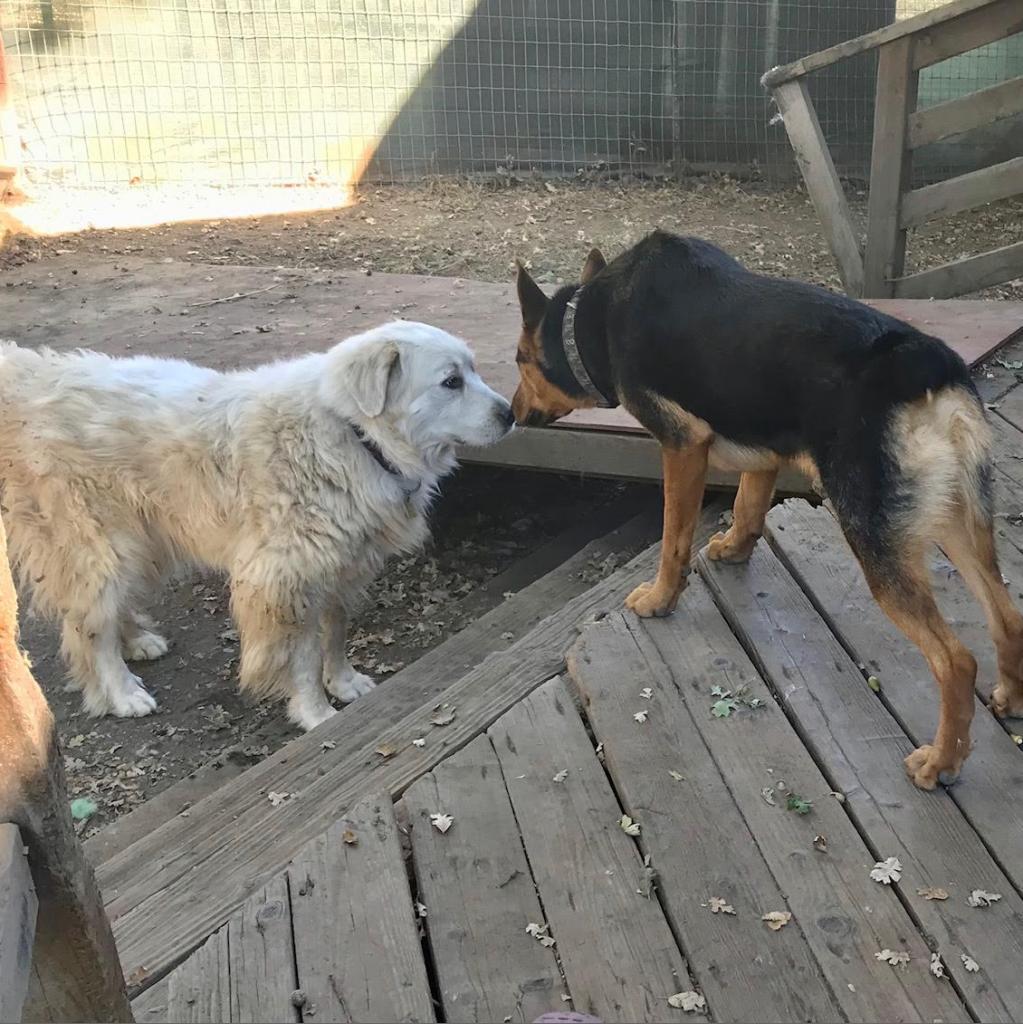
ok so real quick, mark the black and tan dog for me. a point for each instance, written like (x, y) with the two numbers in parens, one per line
(729, 368)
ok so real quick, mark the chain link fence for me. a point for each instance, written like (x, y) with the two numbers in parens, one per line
(108, 92)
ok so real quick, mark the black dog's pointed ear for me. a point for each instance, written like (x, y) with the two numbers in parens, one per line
(532, 300)
(595, 263)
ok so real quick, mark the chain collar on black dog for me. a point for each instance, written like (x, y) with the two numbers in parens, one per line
(408, 486)
(575, 360)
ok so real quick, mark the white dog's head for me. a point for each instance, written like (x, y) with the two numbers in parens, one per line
(417, 381)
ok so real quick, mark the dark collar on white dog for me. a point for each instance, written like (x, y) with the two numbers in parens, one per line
(575, 360)
(408, 486)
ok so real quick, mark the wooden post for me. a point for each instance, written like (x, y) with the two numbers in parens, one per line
(17, 923)
(76, 973)
(822, 182)
(890, 168)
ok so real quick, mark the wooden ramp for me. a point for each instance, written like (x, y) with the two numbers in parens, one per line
(229, 317)
(627, 808)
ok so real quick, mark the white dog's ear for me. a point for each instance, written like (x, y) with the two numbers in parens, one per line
(365, 370)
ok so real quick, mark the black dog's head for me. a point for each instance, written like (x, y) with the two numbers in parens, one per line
(540, 398)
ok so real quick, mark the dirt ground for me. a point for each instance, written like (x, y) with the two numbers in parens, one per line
(486, 519)
(477, 230)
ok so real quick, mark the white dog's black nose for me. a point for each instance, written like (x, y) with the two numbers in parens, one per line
(506, 416)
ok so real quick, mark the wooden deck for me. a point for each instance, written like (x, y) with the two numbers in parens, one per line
(765, 778)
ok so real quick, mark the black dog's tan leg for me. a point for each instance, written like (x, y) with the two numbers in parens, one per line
(909, 603)
(971, 546)
(752, 503)
(684, 473)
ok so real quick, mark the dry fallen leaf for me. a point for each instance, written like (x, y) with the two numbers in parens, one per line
(820, 843)
(628, 826)
(443, 717)
(349, 838)
(646, 693)
(937, 967)
(442, 822)
(719, 906)
(980, 898)
(640, 716)
(897, 958)
(932, 893)
(768, 794)
(537, 931)
(969, 963)
(386, 750)
(887, 871)
(777, 919)
(276, 799)
(560, 776)
(690, 1002)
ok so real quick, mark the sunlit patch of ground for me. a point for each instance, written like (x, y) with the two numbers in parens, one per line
(58, 210)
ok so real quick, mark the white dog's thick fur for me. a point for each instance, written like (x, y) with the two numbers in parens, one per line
(115, 471)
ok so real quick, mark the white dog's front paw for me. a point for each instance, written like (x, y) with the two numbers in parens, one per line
(144, 646)
(308, 714)
(131, 699)
(349, 685)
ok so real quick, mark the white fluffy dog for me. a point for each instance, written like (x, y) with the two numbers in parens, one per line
(298, 479)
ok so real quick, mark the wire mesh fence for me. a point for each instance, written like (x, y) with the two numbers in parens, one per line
(289, 91)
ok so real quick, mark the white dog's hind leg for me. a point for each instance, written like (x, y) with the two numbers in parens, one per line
(91, 645)
(138, 641)
(339, 678)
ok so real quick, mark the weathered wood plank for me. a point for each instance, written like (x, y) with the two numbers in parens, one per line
(356, 946)
(890, 167)
(860, 747)
(944, 198)
(18, 906)
(872, 40)
(963, 276)
(835, 902)
(478, 891)
(199, 991)
(990, 22)
(262, 956)
(758, 857)
(151, 1007)
(624, 456)
(615, 947)
(810, 544)
(163, 905)
(971, 111)
(818, 170)
(543, 594)
(1009, 407)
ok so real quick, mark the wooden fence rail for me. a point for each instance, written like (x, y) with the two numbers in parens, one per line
(893, 207)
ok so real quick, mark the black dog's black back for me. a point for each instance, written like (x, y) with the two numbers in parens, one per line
(766, 362)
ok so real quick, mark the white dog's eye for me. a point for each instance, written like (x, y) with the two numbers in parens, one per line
(454, 382)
